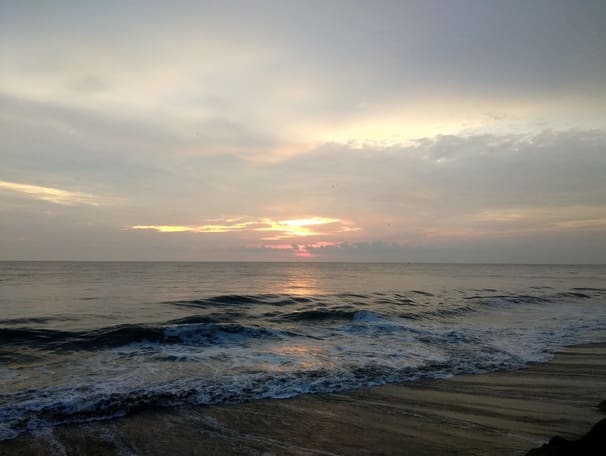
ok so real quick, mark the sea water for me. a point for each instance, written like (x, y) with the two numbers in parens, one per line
(89, 341)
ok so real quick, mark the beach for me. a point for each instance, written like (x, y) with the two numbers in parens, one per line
(495, 413)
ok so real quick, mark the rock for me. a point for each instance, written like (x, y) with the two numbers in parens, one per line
(592, 444)
(602, 406)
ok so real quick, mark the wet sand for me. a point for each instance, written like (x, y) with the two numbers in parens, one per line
(501, 413)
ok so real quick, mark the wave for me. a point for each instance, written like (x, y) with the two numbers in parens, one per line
(60, 405)
(242, 347)
(407, 298)
(573, 294)
(243, 300)
(34, 320)
(441, 312)
(288, 299)
(197, 330)
(228, 318)
(318, 315)
(513, 298)
(25, 321)
(421, 292)
(333, 315)
(51, 339)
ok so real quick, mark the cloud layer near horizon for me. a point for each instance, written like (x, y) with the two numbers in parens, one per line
(389, 132)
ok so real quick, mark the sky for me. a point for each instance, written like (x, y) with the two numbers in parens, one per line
(408, 131)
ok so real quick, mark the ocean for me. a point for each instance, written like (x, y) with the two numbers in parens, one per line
(84, 341)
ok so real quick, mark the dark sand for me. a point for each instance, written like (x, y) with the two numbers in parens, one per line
(501, 413)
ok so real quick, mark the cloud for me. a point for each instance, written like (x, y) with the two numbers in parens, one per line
(434, 193)
(305, 251)
(50, 194)
(276, 229)
(253, 82)
(401, 123)
(439, 190)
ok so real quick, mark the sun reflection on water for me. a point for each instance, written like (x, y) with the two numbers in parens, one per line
(299, 283)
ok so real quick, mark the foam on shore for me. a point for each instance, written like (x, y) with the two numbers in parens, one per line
(497, 413)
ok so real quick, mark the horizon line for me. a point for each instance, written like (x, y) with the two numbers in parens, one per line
(489, 263)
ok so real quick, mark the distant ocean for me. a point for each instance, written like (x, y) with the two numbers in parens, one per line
(89, 341)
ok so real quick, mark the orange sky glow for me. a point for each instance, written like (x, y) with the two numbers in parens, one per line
(270, 230)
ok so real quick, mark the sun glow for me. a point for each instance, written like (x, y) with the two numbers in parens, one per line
(276, 229)
(295, 228)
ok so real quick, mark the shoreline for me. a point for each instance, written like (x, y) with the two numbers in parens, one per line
(506, 412)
